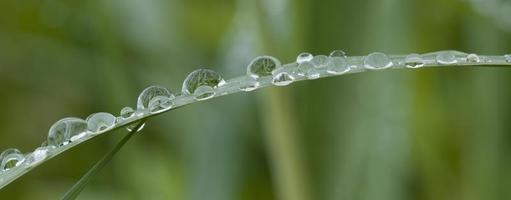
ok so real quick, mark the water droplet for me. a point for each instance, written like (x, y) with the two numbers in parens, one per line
(10, 158)
(508, 58)
(304, 57)
(307, 69)
(77, 137)
(282, 79)
(414, 61)
(132, 126)
(446, 57)
(202, 77)
(337, 63)
(37, 156)
(149, 93)
(338, 53)
(100, 121)
(262, 66)
(319, 61)
(127, 112)
(64, 129)
(377, 60)
(473, 58)
(204, 92)
(249, 84)
(159, 103)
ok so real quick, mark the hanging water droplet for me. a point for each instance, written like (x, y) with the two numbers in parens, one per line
(132, 126)
(10, 158)
(159, 103)
(202, 77)
(64, 129)
(204, 92)
(100, 121)
(282, 79)
(262, 66)
(304, 57)
(377, 60)
(338, 53)
(127, 112)
(414, 61)
(337, 63)
(319, 61)
(473, 58)
(249, 84)
(149, 93)
(446, 57)
(37, 156)
(508, 58)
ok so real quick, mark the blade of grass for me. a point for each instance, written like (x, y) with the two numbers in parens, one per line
(80, 185)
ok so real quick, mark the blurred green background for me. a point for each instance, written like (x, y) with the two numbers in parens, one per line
(388, 135)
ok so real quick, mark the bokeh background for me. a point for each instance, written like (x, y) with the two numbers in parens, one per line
(438, 134)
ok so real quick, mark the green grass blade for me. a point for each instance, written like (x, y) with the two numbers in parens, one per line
(80, 185)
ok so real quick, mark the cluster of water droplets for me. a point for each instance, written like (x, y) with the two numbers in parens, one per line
(204, 84)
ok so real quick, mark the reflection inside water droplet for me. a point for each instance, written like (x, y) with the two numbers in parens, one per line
(202, 77)
(249, 84)
(10, 158)
(149, 93)
(204, 92)
(100, 121)
(446, 57)
(262, 66)
(64, 129)
(160, 103)
(473, 58)
(282, 79)
(337, 63)
(319, 61)
(377, 60)
(127, 112)
(414, 61)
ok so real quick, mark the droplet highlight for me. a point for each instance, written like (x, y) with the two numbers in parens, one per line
(304, 57)
(100, 121)
(377, 61)
(149, 93)
(282, 79)
(250, 84)
(337, 63)
(473, 58)
(132, 126)
(10, 158)
(414, 61)
(61, 131)
(262, 66)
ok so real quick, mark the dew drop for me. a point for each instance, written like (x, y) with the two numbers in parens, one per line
(337, 63)
(307, 69)
(262, 66)
(319, 61)
(37, 156)
(159, 103)
(149, 93)
(10, 158)
(446, 57)
(282, 79)
(100, 121)
(473, 58)
(249, 85)
(204, 92)
(377, 60)
(508, 58)
(202, 77)
(132, 126)
(64, 129)
(304, 57)
(127, 112)
(414, 61)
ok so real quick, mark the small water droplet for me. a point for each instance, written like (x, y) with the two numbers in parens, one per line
(282, 79)
(37, 156)
(204, 92)
(149, 93)
(338, 53)
(446, 57)
(10, 158)
(202, 77)
(337, 63)
(262, 66)
(304, 57)
(307, 69)
(249, 85)
(62, 130)
(508, 58)
(132, 126)
(414, 61)
(319, 61)
(159, 103)
(473, 58)
(127, 112)
(100, 121)
(377, 60)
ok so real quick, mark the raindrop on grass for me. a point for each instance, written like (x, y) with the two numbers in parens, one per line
(262, 66)
(338, 53)
(446, 57)
(319, 61)
(159, 103)
(249, 84)
(100, 121)
(508, 58)
(132, 126)
(10, 158)
(61, 131)
(337, 63)
(127, 112)
(149, 93)
(204, 92)
(473, 58)
(377, 60)
(414, 61)
(304, 57)
(37, 156)
(282, 79)
(201, 83)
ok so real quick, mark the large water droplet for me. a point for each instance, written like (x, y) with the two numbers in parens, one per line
(209, 79)
(127, 112)
(149, 93)
(337, 63)
(508, 58)
(304, 57)
(414, 61)
(262, 66)
(446, 57)
(10, 158)
(64, 129)
(377, 60)
(100, 121)
(282, 79)
(132, 126)
(319, 61)
(473, 58)
(307, 69)
(160, 103)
